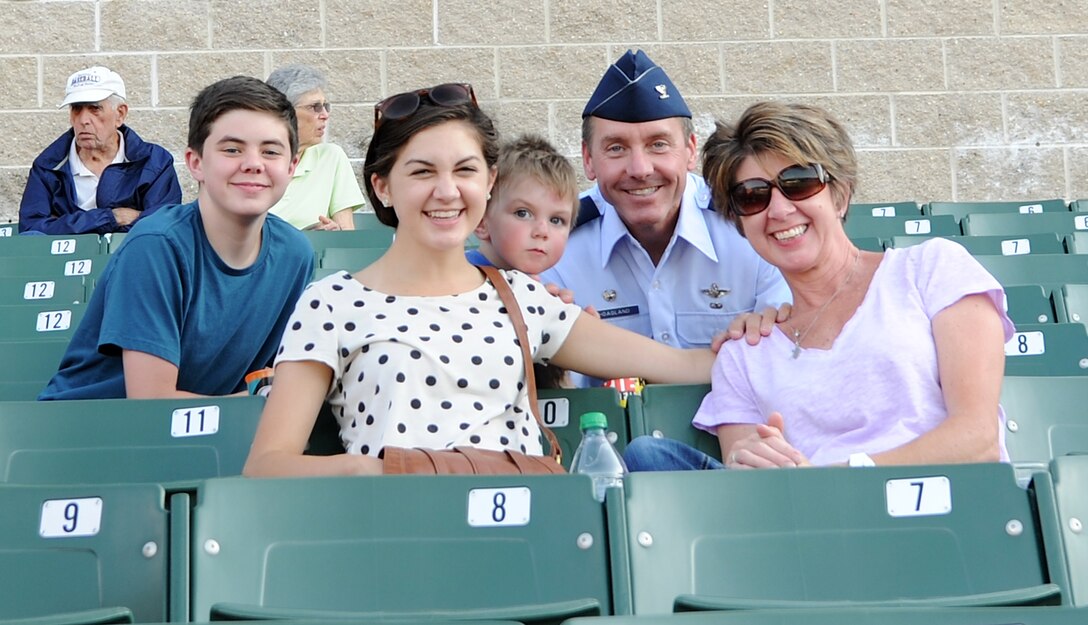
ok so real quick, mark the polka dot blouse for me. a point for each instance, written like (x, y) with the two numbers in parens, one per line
(434, 372)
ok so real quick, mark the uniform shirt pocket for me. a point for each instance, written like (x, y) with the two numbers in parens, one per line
(698, 328)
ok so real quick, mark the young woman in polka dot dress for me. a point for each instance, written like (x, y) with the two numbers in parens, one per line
(416, 350)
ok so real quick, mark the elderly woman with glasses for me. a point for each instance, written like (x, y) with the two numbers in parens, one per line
(418, 350)
(324, 191)
(887, 358)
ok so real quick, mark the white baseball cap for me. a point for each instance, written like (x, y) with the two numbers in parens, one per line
(93, 84)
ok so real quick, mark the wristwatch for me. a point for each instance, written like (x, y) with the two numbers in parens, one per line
(860, 460)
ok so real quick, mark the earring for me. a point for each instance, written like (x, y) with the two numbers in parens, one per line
(488, 196)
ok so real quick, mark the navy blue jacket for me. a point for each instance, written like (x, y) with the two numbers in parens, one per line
(146, 182)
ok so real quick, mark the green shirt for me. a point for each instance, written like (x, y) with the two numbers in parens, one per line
(324, 183)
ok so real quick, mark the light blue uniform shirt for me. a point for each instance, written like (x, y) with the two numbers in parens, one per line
(708, 274)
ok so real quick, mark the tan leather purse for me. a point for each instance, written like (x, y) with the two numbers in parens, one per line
(470, 460)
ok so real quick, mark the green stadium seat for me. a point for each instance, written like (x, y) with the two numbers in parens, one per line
(51, 267)
(884, 209)
(58, 290)
(1047, 349)
(71, 245)
(1076, 242)
(112, 242)
(373, 237)
(25, 322)
(1047, 417)
(869, 244)
(83, 551)
(103, 616)
(31, 361)
(176, 442)
(959, 210)
(350, 259)
(1050, 271)
(858, 616)
(528, 548)
(1061, 223)
(1071, 300)
(997, 245)
(366, 220)
(940, 535)
(858, 226)
(1071, 492)
(1029, 304)
(320, 273)
(1079, 206)
(666, 410)
(561, 410)
(21, 391)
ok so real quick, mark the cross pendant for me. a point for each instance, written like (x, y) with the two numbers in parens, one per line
(796, 351)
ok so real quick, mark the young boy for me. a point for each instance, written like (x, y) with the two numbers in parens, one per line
(531, 211)
(199, 293)
(529, 217)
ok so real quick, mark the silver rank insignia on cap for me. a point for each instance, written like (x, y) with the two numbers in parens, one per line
(715, 291)
(609, 295)
(662, 91)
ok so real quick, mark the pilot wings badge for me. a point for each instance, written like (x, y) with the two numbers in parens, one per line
(715, 291)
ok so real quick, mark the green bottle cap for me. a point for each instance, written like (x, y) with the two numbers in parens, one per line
(593, 420)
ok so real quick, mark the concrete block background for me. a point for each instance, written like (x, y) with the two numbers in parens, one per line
(945, 99)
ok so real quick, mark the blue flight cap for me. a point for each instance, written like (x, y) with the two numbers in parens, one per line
(634, 89)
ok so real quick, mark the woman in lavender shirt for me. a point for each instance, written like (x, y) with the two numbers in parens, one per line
(887, 358)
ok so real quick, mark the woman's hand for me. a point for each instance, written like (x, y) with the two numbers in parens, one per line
(326, 224)
(752, 326)
(766, 447)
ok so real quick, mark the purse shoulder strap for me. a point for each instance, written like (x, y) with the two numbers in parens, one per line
(514, 311)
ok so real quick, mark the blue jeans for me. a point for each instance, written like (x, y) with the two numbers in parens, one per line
(647, 453)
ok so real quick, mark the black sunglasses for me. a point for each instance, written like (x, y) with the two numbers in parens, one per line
(404, 105)
(797, 182)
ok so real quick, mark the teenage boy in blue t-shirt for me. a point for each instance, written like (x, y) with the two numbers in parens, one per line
(199, 293)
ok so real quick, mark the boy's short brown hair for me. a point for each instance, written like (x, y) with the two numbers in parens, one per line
(532, 156)
(238, 93)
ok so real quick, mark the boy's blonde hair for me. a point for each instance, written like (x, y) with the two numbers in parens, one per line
(532, 156)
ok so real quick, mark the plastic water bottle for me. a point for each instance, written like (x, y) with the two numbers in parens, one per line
(596, 457)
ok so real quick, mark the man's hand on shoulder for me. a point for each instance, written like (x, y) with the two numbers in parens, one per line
(566, 295)
(752, 326)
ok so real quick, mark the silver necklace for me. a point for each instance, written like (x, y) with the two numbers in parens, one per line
(800, 336)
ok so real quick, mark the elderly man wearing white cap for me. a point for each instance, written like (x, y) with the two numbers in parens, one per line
(100, 176)
(648, 251)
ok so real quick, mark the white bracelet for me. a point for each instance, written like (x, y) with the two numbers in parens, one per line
(860, 460)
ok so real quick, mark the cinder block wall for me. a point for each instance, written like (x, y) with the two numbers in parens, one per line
(946, 99)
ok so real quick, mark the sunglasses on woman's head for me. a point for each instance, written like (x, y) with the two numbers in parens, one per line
(797, 182)
(404, 105)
